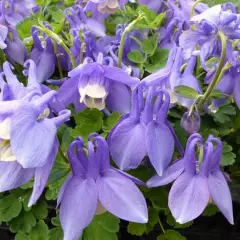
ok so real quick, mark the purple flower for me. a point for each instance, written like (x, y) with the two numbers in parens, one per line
(145, 131)
(94, 183)
(78, 21)
(171, 77)
(169, 35)
(28, 143)
(197, 181)
(3, 36)
(14, 11)
(97, 84)
(191, 122)
(15, 51)
(43, 55)
(154, 5)
(228, 85)
(208, 24)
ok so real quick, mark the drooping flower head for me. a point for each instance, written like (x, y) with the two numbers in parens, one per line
(14, 11)
(171, 77)
(15, 50)
(43, 55)
(145, 131)
(94, 183)
(208, 24)
(197, 181)
(78, 21)
(28, 144)
(97, 84)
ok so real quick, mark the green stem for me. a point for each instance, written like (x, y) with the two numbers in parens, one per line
(129, 28)
(59, 41)
(218, 74)
(161, 226)
(58, 60)
(193, 7)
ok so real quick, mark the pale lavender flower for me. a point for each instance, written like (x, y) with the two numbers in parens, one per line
(94, 183)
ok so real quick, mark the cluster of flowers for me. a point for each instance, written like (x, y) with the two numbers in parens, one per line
(30, 114)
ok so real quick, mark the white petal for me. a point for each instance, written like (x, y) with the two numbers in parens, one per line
(5, 126)
(6, 153)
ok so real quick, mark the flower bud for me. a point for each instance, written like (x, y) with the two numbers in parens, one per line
(191, 123)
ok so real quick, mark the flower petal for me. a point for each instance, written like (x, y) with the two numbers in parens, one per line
(119, 98)
(120, 196)
(13, 175)
(220, 194)
(169, 175)
(41, 176)
(160, 146)
(127, 143)
(31, 140)
(188, 197)
(119, 75)
(78, 206)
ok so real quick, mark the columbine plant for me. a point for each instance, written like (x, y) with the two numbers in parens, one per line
(150, 86)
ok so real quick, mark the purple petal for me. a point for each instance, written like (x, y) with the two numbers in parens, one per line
(31, 140)
(188, 197)
(119, 98)
(67, 92)
(119, 75)
(78, 205)
(134, 179)
(120, 196)
(160, 146)
(169, 175)
(95, 27)
(220, 194)
(188, 41)
(13, 175)
(127, 143)
(41, 176)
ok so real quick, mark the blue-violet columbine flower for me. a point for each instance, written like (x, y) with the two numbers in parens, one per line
(97, 84)
(28, 143)
(94, 183)
(197, 182)
(144, 131)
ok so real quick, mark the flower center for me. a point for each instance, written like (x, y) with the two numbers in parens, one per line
(6, 153)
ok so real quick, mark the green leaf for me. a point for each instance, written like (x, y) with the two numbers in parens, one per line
(149, 45)
(185, 91)
(40, 210)
(158, 197)
(171, 235)
(157, 61)
(55, 233)
(24, 222)
(136, 57)
(104, 226)
(53, 189)
(137, 229)
(152, 219)
(111, 121)
(24, 27)
(56, 221)
(39, 232)
(172, 222)
(224, 114)
(210, 210)
(228, 157)
(88, 121)
(21, 236)
(10, 207)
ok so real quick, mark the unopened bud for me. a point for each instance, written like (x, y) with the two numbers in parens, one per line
(191, 123)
